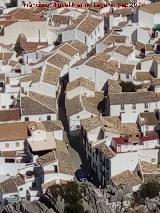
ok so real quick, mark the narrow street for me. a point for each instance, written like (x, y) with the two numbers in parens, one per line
(75, 146)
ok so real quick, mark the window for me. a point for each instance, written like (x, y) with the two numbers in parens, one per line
(134, 106)
(20, 189)
(17, 144)
(127, 76)
(78, 116)
(7, 145)
(26, 119)
(85, 39)
(56, 169)
(146, 105)
(9, 160)
(3, 107)
(153, 160)
(12, 96)
(48, 118)
(122, 106)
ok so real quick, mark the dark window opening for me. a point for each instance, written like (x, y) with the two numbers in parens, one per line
(26, 119)
(48, 118)
(9, 160)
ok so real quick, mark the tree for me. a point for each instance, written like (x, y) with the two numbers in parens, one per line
(71, 195)
(150, 189)
(127, 86)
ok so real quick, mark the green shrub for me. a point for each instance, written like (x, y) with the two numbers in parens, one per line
(150, 189)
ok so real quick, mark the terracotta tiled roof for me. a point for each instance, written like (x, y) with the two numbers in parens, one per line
(126, 178)
(81, 82)
(74, 106)
(8, 186)
(10, 115)
(114, 86)
(33, 46)
(149, 167)
(51, 126)
(107, 66)
(8, 154)
(105, 150)
(76, 22)
(11, 184)
(132, 98)
(30, 106)
(143, 76)
(124, 50)
(89, 24)
(82, 48)
(151, 8)
(17, 131)
(114, 38)
(78, 104)
(126, 68)
(60, 19)
(43, 99)
(51, 75)
(149, 118)
(68, 49)
(25, 14)
(58, 60)
(64, 161)
(48, 158)
(86, 23)
(156, 81)
(5, 56)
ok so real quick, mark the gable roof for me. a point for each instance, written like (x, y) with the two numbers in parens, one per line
(58, 60)
(79, 46)
(64, 160)
(86, 22)
(30, 106)
(151, 8)
(101, 63)
(73, 106)
(17, 131)
(132, 97)
(89, 24)
(126, 68)
(51, 75)
(149, 118)
(80, 82)
(45, 100)
(124, 50)
(80, 103)
(50, 157)
(68, 49)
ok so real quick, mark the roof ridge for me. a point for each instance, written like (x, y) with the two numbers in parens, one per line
(83, 19)
(40, 102)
